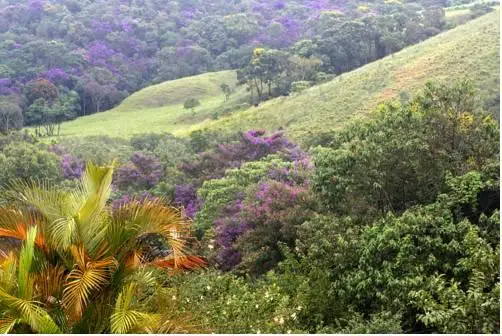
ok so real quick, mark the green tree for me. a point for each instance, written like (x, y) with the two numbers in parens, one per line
(11, 116)
(401, 156)
(227, 90)
(22, 160)
(191, 104)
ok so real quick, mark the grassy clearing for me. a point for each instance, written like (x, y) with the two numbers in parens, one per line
(468, 51)
(456, 12)
(159, 108)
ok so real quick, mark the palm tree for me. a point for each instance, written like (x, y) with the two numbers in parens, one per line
(81, 266)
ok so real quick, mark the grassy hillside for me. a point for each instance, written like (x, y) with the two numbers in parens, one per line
(468, 51)
(159, 108)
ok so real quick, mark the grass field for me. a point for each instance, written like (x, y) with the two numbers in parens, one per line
(159, 108)
(468, 51)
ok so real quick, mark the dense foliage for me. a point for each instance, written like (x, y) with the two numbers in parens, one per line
(390, 225)
(82, 266)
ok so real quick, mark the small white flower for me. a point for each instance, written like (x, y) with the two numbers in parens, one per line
(174, 297)
(266, 295)
(208, 287)
(276, 319)
(257, 306)
(293, 316)
(210, 246)
(188, 300)
(281, 321)
(258, 332)
(289, 331)
(299, 308)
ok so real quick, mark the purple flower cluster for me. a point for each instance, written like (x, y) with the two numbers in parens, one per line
(276, 202)
(185, 195)
(144, 171)
(228, 228)
(72, 167)
(5, 86)
(253, 145)
(55, 75)
(99, 52)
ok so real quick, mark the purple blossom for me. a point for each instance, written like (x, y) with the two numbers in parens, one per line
(72, 168)
(126, 25)
(253, 145)
(101, 28)
(98, 52)
(186, 195)
(5, 82)
(275, 201)
(36, 6)
(279, 4)
(55, 75)
(144, 171)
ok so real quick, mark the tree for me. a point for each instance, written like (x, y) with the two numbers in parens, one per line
(41, 89)
(43, 115)
(191, 104)
(83, 266)
(11, 116)
(400, 158)
(23, 160)
(263, 73)
(227, 90)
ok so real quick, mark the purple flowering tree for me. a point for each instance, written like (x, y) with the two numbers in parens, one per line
(72, 167)
(251, 226)
(185, 195)
(253, 145)
(143, 172)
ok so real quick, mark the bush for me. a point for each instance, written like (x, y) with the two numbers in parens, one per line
(21, 160)
(400, 158)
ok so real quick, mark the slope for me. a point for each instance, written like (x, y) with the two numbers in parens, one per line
(159, 108)
(468, 51)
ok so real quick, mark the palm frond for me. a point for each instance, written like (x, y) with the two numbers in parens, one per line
(49, 284)
(87, 276)
(30, 313)
(15, 224)
(183, 262)
(47, 199)
(64, 233)
(124, 319)
(8, 268)
(95, 190)
(7, 324)
(24, 280)
(152, 217)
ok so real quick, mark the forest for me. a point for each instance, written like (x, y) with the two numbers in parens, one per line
(388, 223)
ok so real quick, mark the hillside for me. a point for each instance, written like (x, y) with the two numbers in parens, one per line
(159, 108)
(468, 51)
